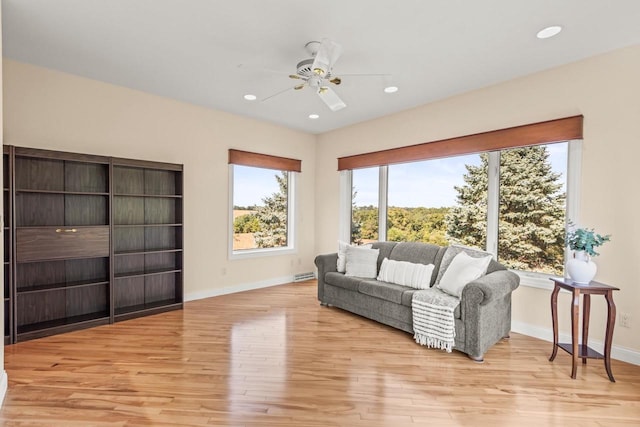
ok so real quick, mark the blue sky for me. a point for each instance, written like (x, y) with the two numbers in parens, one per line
(251, 185)
(430, 183)
(427, 184)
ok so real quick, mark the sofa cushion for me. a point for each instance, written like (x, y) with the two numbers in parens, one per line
(407, 297)
(383, 290)
(423, 253)
(342, 281)
(385, 249)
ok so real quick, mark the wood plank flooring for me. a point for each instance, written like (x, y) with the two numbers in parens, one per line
(275, 357)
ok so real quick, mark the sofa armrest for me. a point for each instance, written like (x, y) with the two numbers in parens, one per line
(490, 287)
(486, 311)
(325, 263)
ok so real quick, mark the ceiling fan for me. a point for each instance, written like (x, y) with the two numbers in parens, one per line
(315, 72)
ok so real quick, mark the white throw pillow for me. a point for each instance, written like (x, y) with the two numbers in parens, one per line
(406, 273)
(361, 262)
(462, 270)
(342, 247)
(454, 250)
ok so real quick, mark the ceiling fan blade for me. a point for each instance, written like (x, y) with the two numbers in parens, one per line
(276, 94)
(331, 98)
(298, 87)
(365, 75)
(327, 55)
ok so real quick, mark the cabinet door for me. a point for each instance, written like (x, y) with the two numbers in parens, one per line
(48, 243)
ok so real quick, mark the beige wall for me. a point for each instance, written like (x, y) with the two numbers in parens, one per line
(53, 110)
(606, 90)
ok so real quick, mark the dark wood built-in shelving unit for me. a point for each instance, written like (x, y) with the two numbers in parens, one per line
(147, 238)
(7, 233)
(89, 240)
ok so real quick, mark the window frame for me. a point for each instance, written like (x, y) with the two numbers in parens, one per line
(291, 247)
(527, 278)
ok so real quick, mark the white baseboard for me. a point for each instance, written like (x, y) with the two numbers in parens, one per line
(238, 288)
(3, 385)
(617, 352)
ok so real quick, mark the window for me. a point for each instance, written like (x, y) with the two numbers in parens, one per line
(533, 205)
(448, 201)
(364, 205)
(262, 202)
(421, 194)
(510, 198)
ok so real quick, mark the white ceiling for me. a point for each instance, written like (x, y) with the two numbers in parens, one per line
(212, 52)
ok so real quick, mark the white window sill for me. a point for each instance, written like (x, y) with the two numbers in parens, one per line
(258, 253)
(535, 280)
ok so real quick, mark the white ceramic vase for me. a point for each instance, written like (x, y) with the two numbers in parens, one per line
(580, 268)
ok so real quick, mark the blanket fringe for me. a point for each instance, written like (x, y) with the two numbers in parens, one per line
(432, 342)
(433, 319)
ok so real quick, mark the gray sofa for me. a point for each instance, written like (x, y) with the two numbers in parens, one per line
(482, 319)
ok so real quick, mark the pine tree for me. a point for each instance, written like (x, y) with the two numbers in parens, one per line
(272, 217)
(531, 214)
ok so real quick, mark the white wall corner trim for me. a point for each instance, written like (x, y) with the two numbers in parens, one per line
(619, 353)
(238, 288)
(3, 385)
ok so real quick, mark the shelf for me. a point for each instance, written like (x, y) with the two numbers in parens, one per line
(164, 305)
(148, 273)
(156, 196)
(148, 225)
(74, 193)
(148, 251)
(59, 286)
(583, 351)
(67, 321)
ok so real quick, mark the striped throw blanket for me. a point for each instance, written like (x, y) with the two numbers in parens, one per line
(433, 320)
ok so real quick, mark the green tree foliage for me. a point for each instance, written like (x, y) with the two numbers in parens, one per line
(248, 223)
(272, 217)
(405, 224)
(417, 225)
(532, 210)
(364, 220)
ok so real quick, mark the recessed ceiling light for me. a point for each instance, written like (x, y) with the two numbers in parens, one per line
(545, 33)
(314, 116)
(250, 97)
(391, 89)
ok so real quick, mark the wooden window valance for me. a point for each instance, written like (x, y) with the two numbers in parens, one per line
(533, 134)
(246, 158)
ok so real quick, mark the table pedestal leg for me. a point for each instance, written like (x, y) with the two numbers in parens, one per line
(554, 321)
(611, 320)
(586, 311)
(575, 315)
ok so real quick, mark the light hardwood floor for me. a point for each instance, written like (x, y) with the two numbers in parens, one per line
(275, 357)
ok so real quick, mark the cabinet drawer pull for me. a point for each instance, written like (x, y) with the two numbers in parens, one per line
(66, 230)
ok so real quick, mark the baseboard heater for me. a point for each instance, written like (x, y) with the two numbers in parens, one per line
(301, 277)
